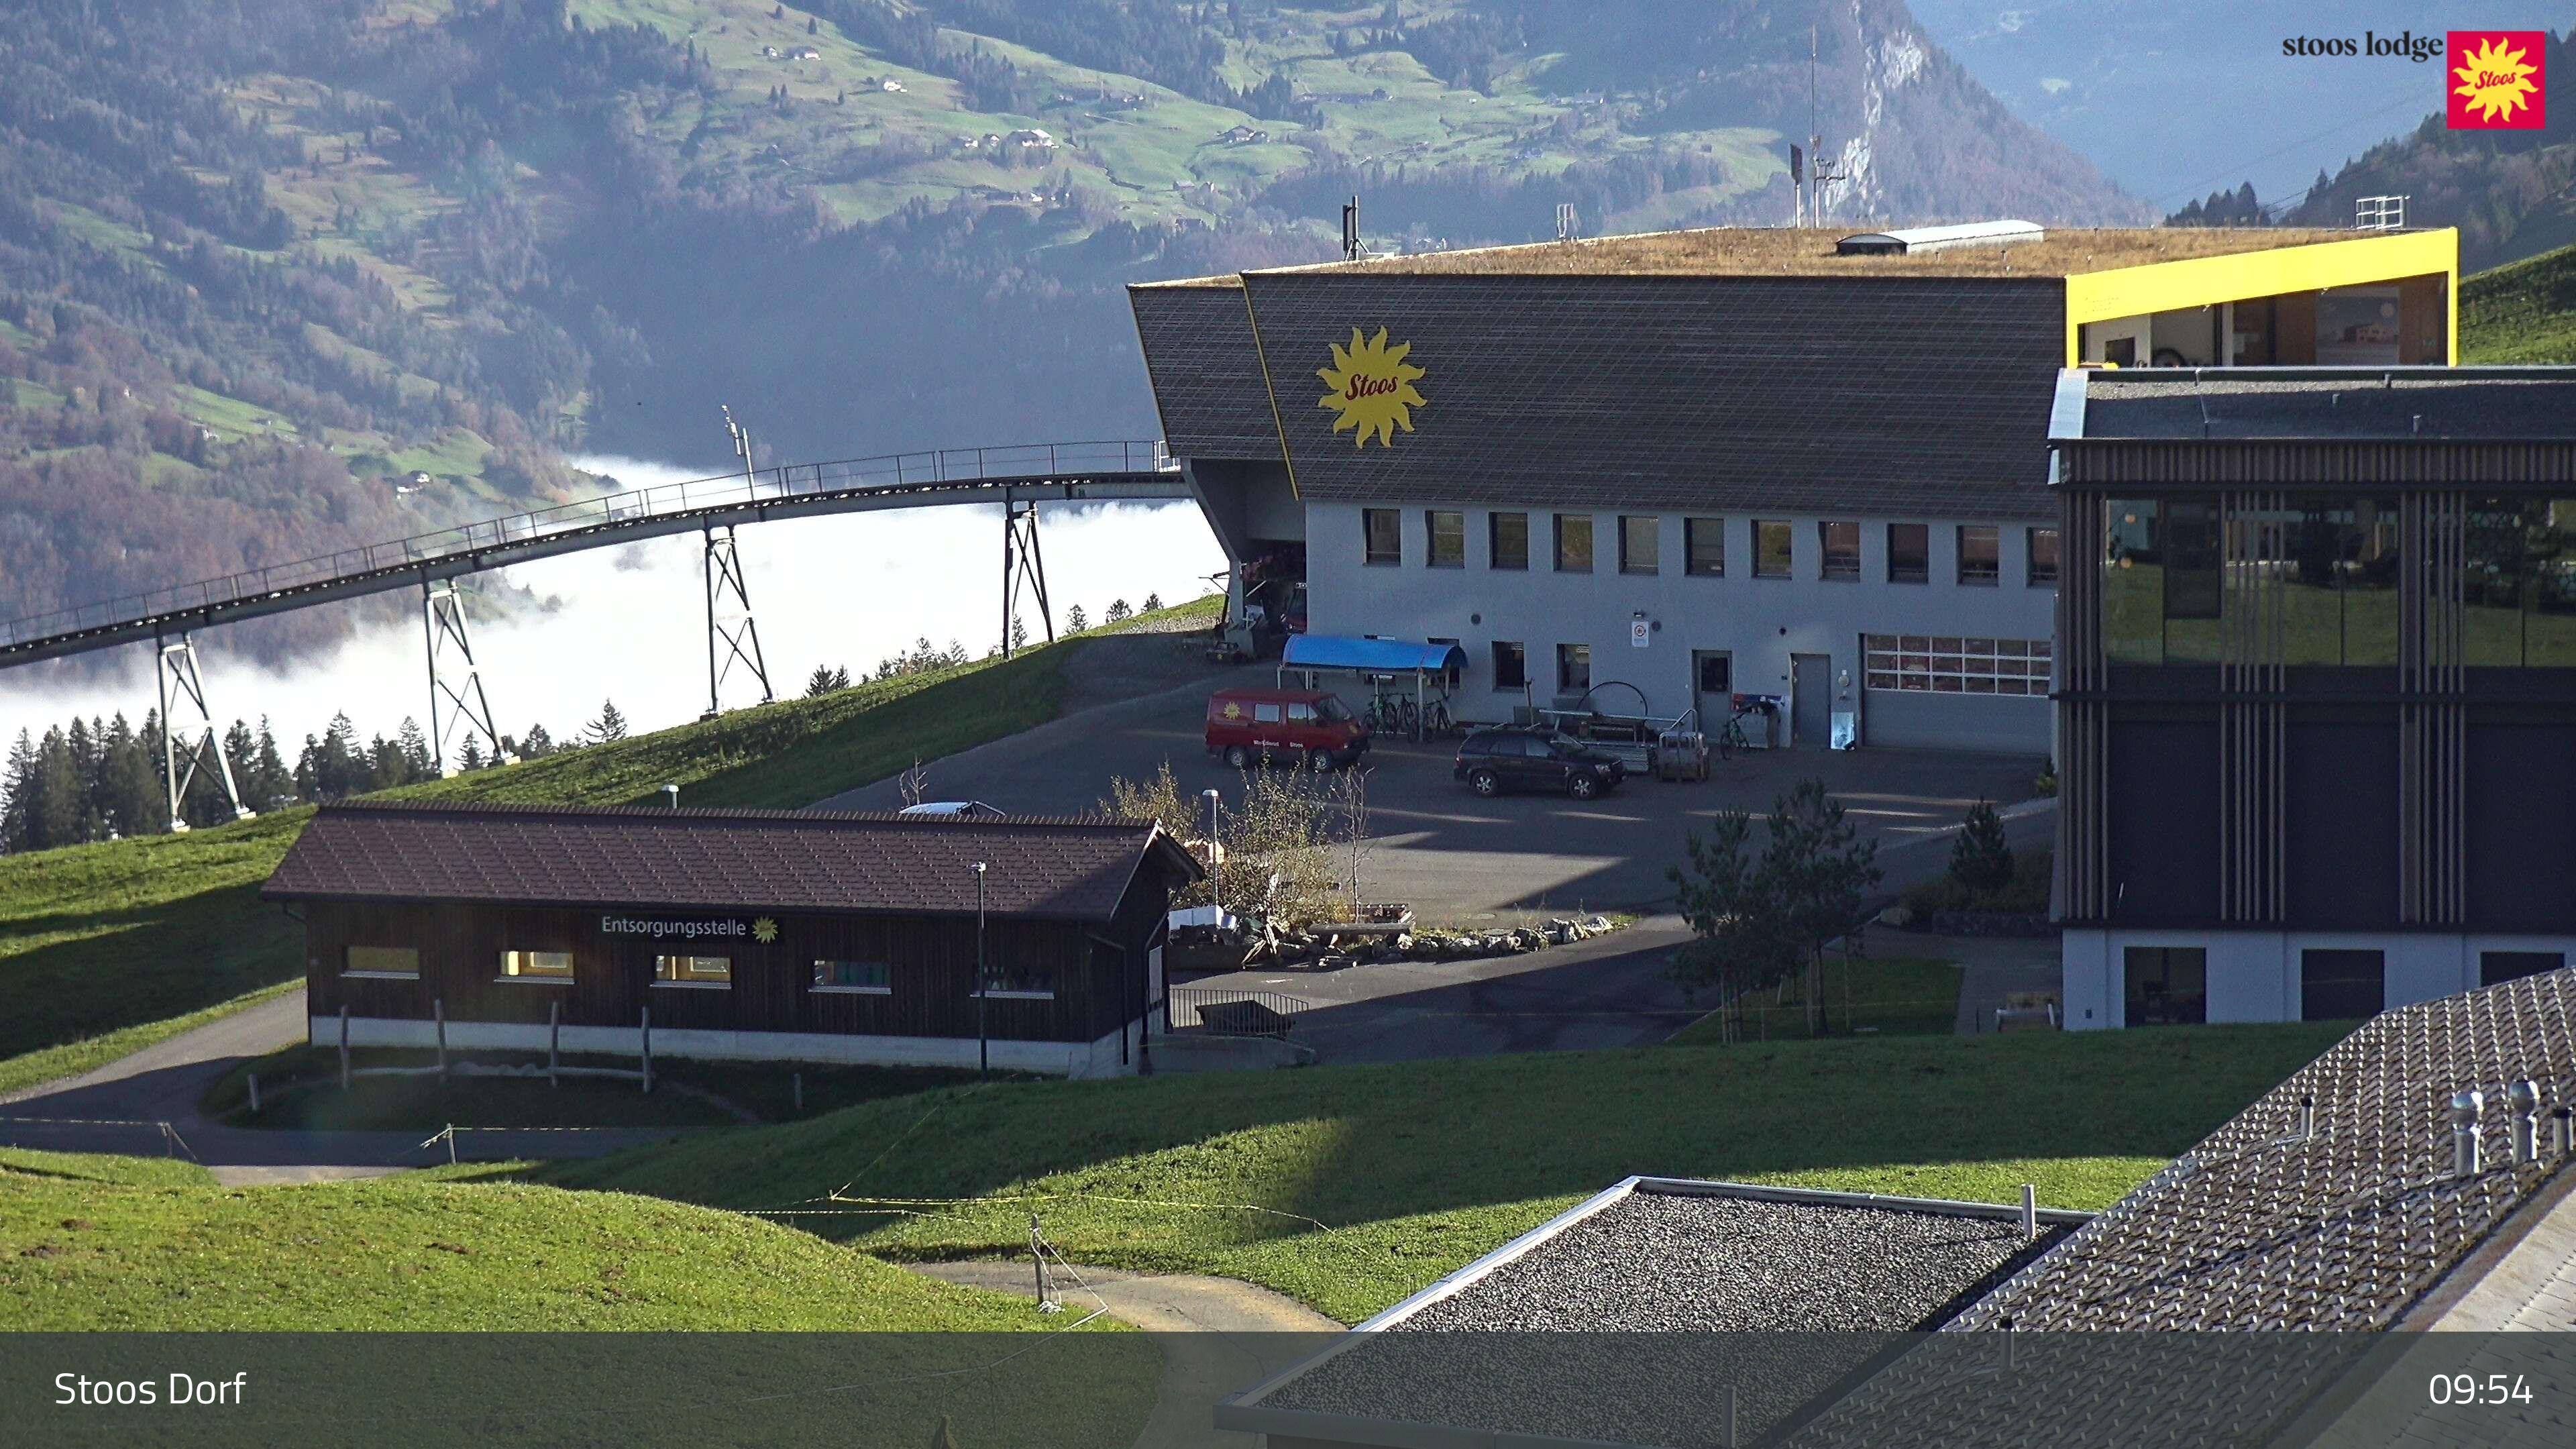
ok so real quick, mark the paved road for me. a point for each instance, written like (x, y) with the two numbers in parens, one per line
(118, 1108)
(1610, 991)
(1455, 857)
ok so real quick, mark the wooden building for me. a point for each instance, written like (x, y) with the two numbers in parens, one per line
(752, 934)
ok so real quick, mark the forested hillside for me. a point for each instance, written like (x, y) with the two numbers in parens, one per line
(2512, 193)
(280, 275)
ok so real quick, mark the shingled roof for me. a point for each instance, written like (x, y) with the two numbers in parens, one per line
(2266, 1226)
(785, 860)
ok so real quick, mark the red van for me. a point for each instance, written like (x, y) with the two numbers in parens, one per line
(1289, 725)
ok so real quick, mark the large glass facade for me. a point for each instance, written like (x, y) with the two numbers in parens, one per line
(2167, 580)
(2519, 584)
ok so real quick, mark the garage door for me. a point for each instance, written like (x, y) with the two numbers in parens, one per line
(1927, 691)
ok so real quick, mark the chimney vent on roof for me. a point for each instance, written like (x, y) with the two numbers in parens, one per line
(2524, 1129)
(2562, 1127)
(2465, 1107)
(1939, 238)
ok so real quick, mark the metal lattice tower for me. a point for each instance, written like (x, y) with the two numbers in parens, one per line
(455, 687)
(205, 749)
(729, 623)
(1022, 566)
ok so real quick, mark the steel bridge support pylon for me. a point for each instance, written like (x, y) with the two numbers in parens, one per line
(456, 698)
(205, 747)
(1022, 567)
(733, 636)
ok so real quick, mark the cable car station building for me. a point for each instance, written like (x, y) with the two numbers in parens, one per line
(1782, 462)
(753, 934)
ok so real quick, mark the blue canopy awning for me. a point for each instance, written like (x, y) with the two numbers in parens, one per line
(1371, 656)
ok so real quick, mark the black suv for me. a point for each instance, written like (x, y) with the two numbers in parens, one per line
(1492, 761)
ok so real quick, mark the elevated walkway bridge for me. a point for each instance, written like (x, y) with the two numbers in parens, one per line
(1016, 478)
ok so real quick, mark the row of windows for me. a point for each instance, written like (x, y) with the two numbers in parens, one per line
(1942, 664)
(2169, 985)
(863, 977)
(2319, 583)
(1640, 543)
(1934, 664)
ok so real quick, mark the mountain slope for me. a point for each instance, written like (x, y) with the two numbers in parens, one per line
(263, 260)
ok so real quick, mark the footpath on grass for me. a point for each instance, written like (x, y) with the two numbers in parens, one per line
(123, 1108)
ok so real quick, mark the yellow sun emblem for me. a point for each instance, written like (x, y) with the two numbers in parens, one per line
(764, 930)
(1371, 388)
(2495, 80)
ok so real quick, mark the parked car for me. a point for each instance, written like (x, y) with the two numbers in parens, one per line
(1492, 761)
(1309, 726)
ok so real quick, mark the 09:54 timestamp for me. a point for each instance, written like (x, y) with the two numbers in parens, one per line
(2470, 1389)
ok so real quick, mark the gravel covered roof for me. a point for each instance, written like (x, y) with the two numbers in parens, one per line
(1586, 1328)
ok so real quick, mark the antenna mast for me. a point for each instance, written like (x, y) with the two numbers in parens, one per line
(1820, 172)
(1351, 250)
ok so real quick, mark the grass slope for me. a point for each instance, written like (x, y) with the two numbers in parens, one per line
(2522, 313)
(139, 1244)
(1414, 1169)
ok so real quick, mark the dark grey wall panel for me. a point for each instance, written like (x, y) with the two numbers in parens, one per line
(2341, 799)
(2161, 807)
(2521, 832)
(1911, 397)
(1206, 375)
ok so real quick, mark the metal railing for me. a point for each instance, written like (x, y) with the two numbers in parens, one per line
(944, 471)
(1219, 1012)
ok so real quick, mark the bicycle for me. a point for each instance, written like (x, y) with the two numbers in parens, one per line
(1731, 736)
(1436, 719)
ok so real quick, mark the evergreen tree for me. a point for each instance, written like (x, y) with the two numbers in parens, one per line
(131, 795)
(268, 783)
(611, 724)
(1019, 632)
(1118, 610)
(536, 744)
(819, 683)
(1075, 621)
(17, 796)
(1152, 603)
(1980, 859)
(415, 750)
(469, 755)
(59, 809)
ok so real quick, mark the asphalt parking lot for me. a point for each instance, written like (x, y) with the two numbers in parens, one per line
(1460, 859)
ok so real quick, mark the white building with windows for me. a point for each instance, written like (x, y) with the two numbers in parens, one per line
(1669, 471)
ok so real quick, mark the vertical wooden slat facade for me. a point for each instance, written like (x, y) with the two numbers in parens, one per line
(2468, 832)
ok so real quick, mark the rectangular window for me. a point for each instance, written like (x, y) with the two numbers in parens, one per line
(1770, 549)
(2191, 585)
(2342, 985)
(1574, 543)
(1511, 665)
(1840, 543)
(2133, 583)
(1980, 554)
(1947, 664)
(1019, 980)
(390, 962)
(1299, 712)
(1266, 713)
(1384, 530)
(865, 978)
(1509, 535)
(1909, 553)
(1641, 544)
(2497, 967)
(1448, 531)
(2166, 985)
(693, 970)
(1704, 539)
(1573, 668)
(536, 965)
(2043, 557)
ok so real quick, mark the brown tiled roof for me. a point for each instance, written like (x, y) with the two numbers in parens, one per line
(787, 860)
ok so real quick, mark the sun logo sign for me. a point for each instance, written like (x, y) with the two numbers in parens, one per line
(2495, 80)
(764, 930)
(1370, 387)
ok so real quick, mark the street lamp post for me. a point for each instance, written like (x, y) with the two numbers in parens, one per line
(983, 1040)
(1216, 887)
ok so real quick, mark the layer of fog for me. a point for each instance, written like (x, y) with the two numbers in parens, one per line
(628, 623)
